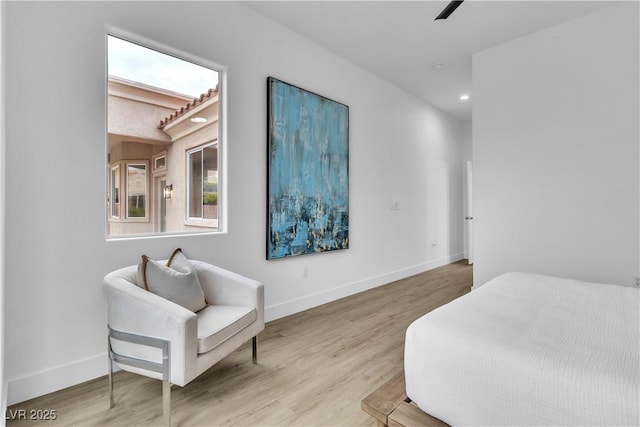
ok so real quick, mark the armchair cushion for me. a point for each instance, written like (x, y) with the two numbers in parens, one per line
(218, 323)
(177, 281)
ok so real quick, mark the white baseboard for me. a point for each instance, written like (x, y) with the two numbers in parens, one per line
(56, 378)
(76, 372)
(297, 305)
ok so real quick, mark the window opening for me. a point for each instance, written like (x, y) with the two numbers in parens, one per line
(159, 163)
(136, 190)
(160, 109)
(115, 192)
(202, 164)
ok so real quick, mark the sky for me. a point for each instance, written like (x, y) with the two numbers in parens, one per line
(134, 62)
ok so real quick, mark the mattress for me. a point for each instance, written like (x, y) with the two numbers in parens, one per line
(532, 350)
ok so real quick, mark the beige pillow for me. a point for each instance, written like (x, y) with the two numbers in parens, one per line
(177, 281)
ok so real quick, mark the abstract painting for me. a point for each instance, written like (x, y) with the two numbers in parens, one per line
(308, 172)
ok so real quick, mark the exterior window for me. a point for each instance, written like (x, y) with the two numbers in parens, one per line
(164, 139)
(159, 163)
(202, 165)
(115, 192)
(136, 190)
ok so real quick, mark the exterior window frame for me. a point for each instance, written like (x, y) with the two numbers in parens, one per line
(155, 159)
(195, 220)
(114, 171)
(144, 163)
(123, 193)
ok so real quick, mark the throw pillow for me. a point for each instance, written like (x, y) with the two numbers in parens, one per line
(177, 281)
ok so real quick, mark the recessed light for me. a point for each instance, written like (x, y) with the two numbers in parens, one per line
(464, 97)
(438, 65)
(198, 119)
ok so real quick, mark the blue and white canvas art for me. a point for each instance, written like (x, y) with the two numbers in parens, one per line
(308, 172)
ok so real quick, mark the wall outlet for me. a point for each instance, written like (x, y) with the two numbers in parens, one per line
(636, 281)
(434, 243)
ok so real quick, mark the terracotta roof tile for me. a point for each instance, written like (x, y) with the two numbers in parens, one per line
(196, 101)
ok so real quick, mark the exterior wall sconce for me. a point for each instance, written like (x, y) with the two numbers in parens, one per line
(168, 191)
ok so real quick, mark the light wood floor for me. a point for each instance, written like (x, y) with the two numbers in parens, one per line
(314, 367)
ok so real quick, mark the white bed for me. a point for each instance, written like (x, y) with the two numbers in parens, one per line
(533, 350)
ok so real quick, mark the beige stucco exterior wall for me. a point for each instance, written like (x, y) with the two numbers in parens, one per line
(176, 175)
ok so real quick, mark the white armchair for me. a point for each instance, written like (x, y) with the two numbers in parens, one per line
(155, 337)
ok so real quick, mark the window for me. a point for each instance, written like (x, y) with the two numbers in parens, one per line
(202, 166)
(159, 162)
(162, 109)
(136, 190)
(115, 192)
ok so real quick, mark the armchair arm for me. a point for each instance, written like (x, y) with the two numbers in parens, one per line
(135, 310)
(223, 287)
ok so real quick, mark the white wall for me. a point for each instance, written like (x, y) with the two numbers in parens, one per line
(556, 151)
(3, 383)
(401, 149)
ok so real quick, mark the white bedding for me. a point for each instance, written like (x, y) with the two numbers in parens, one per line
(532, 350)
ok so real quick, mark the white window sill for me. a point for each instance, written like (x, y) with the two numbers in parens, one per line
(197, 222)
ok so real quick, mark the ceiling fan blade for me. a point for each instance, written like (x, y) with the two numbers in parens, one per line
(449, 9)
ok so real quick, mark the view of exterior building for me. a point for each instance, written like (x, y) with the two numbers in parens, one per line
(162, 161)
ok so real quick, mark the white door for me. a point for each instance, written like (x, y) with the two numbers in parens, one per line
(469, 217)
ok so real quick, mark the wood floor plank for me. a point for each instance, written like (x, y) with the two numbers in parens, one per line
(314, 367)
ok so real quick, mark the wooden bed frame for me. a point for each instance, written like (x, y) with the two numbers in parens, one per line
(391, 407)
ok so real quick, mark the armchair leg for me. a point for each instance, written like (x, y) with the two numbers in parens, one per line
(166, 402)
(254, 347)
(111, 402)
(163, 367)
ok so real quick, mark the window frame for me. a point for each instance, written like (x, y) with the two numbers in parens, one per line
(219, 225)
(114, 171)
(123, 191)
(155, 158)
(146, 217)
(195, 220)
